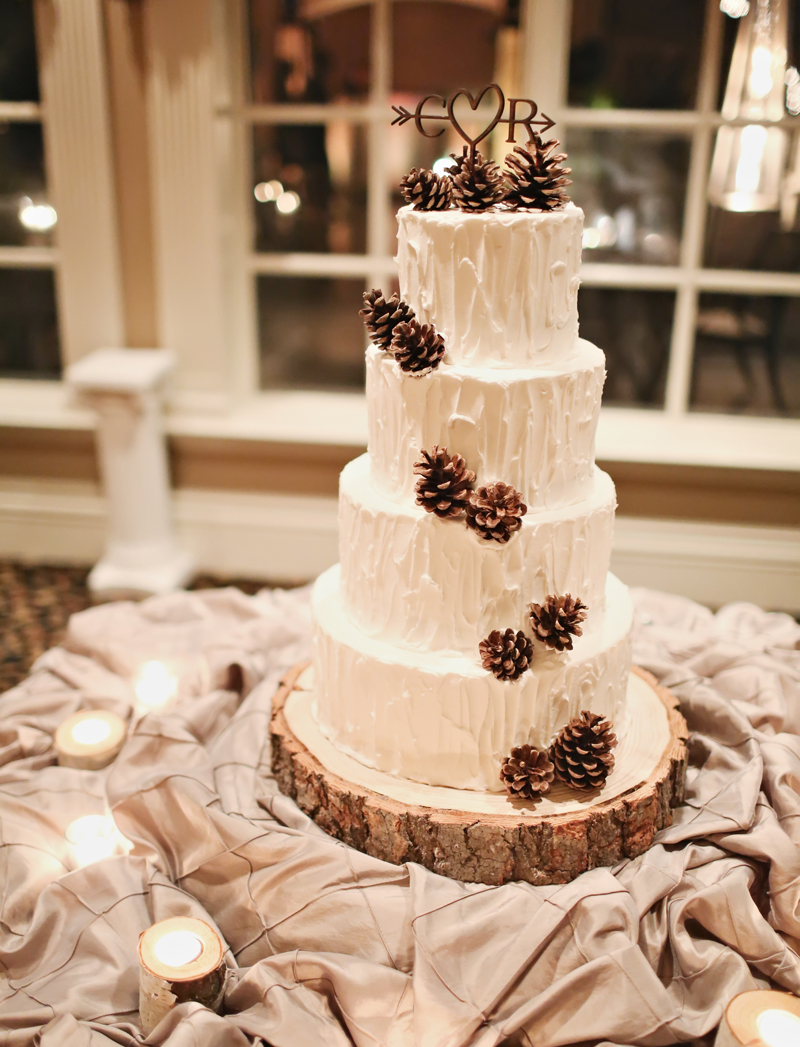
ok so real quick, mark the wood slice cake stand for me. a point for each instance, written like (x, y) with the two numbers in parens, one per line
(483, 837)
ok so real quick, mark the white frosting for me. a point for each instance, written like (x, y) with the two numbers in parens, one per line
(437, 716)
(532, 429)
(411, 579)
(501, 287)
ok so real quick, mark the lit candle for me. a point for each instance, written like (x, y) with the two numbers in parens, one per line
(761, 1018)
(180, 959)
(92, 838)
(90, 740)
(155, 685)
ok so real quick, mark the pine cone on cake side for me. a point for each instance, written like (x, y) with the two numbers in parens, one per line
(477, 184)
(426, 190)
(582, 753)
(557, 620)
(527, 773)
(495, 512)
(418, 348)
(444, 483)
(381, 316)
(506, 655)
(536, 179)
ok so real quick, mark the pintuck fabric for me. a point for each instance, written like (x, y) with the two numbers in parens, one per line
(329, 946)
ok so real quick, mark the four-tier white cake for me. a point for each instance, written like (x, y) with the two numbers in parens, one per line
(400, 683)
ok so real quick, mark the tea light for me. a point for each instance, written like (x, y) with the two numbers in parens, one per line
(92, 838)
(155, 685)
(90, 740)
(761, 1018)
(180, 959)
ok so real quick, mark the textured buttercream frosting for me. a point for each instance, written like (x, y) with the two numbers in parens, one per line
(500, 286)
(533, 429)
(437, 716)
(399, 679)
(411, 579)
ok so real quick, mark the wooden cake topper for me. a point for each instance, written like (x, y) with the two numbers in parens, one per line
(517, 116)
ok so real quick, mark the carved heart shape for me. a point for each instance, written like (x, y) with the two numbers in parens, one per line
(474, 103)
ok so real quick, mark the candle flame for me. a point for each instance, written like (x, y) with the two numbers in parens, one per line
(178, 948)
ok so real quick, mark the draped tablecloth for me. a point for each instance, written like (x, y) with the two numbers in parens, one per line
(329, 946)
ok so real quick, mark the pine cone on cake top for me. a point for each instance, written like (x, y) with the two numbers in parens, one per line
(444, 483)
(495, 512)
(418, 348)
(536, 179)
(582, 751)
(557, 620)
(426, 190)
(477, 184)
(527, 773)
(381, 316)
(506, 655)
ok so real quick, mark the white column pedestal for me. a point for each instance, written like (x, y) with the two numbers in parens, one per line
(124, 388)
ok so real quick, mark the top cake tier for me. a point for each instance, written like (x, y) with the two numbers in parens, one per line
(501, 287)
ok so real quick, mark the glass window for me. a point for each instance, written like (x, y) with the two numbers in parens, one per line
(632, 55)
(28, 330)
(750, 240)
(310, 332)
(470, 59)
(747, 355)
(310, 187)
(633, 328)
(25, 216)
(19, 78)
(631, 187)
(308, 53)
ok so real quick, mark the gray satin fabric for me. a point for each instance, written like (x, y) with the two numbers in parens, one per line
(328, 946)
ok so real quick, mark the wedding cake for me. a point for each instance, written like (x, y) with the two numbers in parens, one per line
(472, 612)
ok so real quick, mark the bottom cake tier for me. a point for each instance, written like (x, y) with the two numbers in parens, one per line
(438, 717)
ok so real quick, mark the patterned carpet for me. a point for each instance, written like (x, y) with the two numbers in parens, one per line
(35, 605)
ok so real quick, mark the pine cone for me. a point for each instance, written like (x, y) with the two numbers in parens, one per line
(555, 621)
(535, 175)
(582, 751)
(418, 348)
(527, 773)
(444, 484)
(495, 513)
(477, 184)
(507, 655)
(426, 190)
(381, 316)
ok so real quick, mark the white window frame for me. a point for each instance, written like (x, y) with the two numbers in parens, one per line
(672, 434)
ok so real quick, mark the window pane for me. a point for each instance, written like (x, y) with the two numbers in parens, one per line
(24, 216)
(747, 355)
(475, 53)
(633, 328)
(302, 58)
(310, 187)
(28, 330)
(754, 240)
(632, 55)
(19, 79)
(310, 333)
(631, 187)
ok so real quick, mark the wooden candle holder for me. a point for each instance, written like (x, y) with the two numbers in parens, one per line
(163, 986)
(76, 746)
(760, 1018)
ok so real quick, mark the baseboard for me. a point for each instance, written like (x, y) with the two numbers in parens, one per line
(291, 538)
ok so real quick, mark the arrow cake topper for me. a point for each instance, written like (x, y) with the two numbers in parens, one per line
(515, 118)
